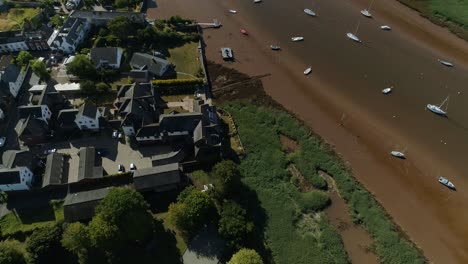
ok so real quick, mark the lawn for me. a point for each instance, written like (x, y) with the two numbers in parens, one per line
(13, 20)
(186, 60)
(292, 235)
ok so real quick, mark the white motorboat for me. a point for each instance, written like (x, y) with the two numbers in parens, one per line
(387, 90)
(437, 109)
(308, 71)
(295, 39)
(275, 47)
(232, 11)
(447, 183)
(366, 13)
(309, 12)
(446, 63)
(353, 37)
(257, 1)
(398, 154)
(385, 27)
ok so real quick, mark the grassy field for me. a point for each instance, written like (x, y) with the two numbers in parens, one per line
(13, 20)
(292, 235)
(452, 14)
(186, 60)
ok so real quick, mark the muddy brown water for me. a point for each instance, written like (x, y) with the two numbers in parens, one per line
(345, 88)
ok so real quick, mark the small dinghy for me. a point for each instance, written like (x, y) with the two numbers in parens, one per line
(447, 183)
(385, 27)
(257, 1)
(353, 37)
(243, 31)
(366, 13)
(232, 11)
(446, 63)
(309, 12)
(308, 71)
(387, 90)
(398, 154)
(296, 39)
(275, 47)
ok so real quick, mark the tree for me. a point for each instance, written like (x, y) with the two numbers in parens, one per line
(76, 239)
(121, 27)
(233, 225)
(40, 69)
(3, 197)
(226, 178)
(23, 58)
(246, 256)
(11, 252)
(82, 67)
(57, 20)
(44, 245)
(88, 87)
(102, 87)
(193, 209)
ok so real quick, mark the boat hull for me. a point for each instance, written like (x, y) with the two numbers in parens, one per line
(296, 39)
(436, 110)
(307, 71)
(353, 37)
(366, 13)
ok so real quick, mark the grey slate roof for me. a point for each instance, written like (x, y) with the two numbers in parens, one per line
(180, 122)
(85, 196)
(154, 65)
(53, 170)
(67, 117)
(86, 168)
(88, 110)
(106, 15)
(30, 110)
(9, 176)
(139, 75)
(10, 74)
(158, 176)
(108, 54)
(30, 126)
(18, 158)
(137, 104)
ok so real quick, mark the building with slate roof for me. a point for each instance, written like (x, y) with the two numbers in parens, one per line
(16, 173)
(11, 79)
(66, 120)
(87, 170)
(106, 57)
(31, 131)
(70, 35)
(88, 117)
(155, 67)
(159, 178)
(81, 205)
(55, 171)
(12, 41)
(41, 112)
(102, 17)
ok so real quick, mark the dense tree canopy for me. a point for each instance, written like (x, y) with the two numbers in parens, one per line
(246, 256)
(76, 240)
(57, 20)
(193, 209)
(23, 58)
(82, 67)
(40, 69)
(233, 225)
(121, 27)
(11, 252)
(44, 245)
(226, 178)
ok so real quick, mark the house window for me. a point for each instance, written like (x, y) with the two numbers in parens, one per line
(81, 122)
(93, 125)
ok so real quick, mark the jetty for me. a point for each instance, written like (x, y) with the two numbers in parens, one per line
(214, 24)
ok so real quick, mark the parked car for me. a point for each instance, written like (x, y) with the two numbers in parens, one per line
(49, 151)
(114, 134)
(120, 135)
(121, 168)
(132, 167)
(2, 141)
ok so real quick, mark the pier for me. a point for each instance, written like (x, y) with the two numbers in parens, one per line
(214, 24)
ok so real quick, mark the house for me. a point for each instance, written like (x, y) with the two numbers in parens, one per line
(88, 117)
(159, 178)
(167, 158)
(69, 36)
(12, 41)
(41, 112)
(72, 4)
(155, 67)
(68, 89)
(66, 120)
(81, 205)
(31, 130)
(49, 97)
(17, 172)
(86, 166)
(37, 40)
(55, 170)
(11, 79)
(137, 105)
(108, 57)
(101, 18)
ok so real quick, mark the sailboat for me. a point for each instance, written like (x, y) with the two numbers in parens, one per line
(296, 39)
(353, 36)
(307, 71)
(446, 182)
(398, 154)
(437, 109)
(446, 63)
(309, 12)
(366, 12)
(387, 90)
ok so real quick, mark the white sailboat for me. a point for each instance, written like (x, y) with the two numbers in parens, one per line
(275, 47)
(232, 11)
(366, 12)
(447, 183)
(387, 90)
(398, 154)
(308, 71)
(309, 12)
(446, 63)
(257, 1)
(385, 27)
(353, 36)
(296, 39)
(438, 109)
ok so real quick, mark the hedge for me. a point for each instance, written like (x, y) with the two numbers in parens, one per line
(177, 86)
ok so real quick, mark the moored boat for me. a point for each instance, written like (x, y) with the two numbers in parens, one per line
(353, 37)
(243, 31)
(309, 12)
(385, 27)
(308, 71)
(387, 90)
(398, 154)
(447, 183)
(275, 47)
(446, 63)
(232, 11)
(295, 39)
(437, 109)
(257, 1)
(366, 13)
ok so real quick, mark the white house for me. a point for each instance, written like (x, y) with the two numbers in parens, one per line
(107, 57)
(2, 114)
(70, 35)
(88, 117)
(19, 178)
(41, 112)
(11, 79)
(13, 44)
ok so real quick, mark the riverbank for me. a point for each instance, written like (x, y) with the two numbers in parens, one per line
(357, 122)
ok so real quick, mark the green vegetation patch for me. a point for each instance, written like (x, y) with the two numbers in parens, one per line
(14, 19)
(185, 58)
(265, 170)
(454, 10)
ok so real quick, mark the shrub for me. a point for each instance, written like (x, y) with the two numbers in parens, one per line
(246, 256)
(11, 252)
(314, 201)
(177, 86)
